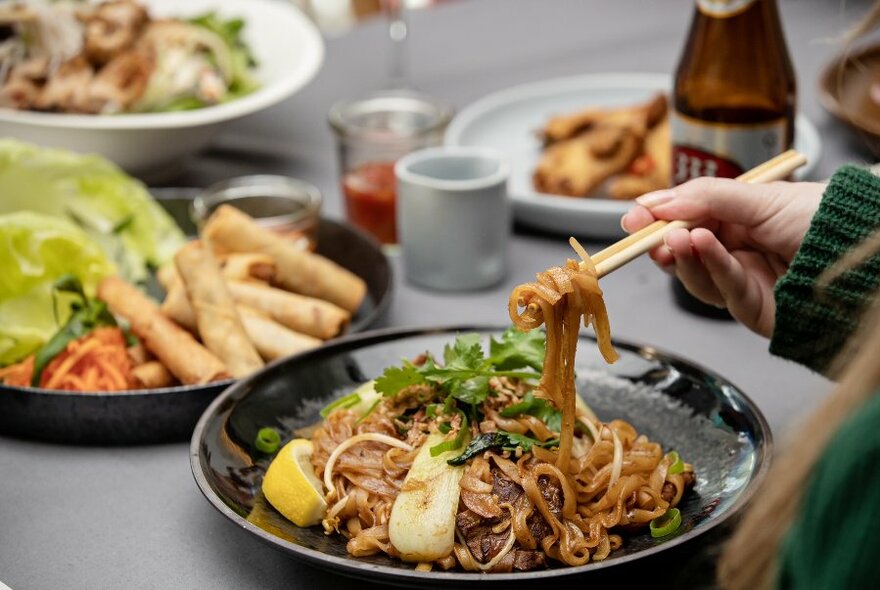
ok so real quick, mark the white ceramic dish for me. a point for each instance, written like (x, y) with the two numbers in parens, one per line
(289, 51)
(507, 120)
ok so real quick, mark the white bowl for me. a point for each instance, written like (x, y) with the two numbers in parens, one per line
(289, 51)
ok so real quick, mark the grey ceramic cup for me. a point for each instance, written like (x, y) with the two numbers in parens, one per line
(453, 217)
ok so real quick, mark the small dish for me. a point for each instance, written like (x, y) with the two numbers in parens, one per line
(849, 89)
(671, 400)
(507, 121)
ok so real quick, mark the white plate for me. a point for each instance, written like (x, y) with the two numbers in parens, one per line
(289, 51)
(507, 121)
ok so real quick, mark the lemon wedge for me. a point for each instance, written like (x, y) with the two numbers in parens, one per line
(292, 487)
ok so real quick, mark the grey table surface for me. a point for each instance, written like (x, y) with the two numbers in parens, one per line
(76, 517)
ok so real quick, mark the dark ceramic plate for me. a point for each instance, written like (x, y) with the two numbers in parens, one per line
(169, 414)
(710, 422)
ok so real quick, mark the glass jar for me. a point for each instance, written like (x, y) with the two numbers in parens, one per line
(286, 205)
(372, 133)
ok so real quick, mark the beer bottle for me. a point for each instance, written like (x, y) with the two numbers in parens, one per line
(734, 96)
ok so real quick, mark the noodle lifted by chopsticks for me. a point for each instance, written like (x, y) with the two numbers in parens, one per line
(559, 298)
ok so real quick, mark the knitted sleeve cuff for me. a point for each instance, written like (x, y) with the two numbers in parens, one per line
(811, 326)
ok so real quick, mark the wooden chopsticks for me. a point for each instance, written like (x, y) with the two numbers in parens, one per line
(633, 246)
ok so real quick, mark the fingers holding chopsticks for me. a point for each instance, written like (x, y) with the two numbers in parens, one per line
(744, 239)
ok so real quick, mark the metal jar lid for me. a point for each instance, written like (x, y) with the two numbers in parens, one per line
(390, 116)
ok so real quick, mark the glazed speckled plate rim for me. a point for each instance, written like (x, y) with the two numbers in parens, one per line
(349, 566)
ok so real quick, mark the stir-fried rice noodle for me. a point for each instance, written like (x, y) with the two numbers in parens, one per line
(517, 510)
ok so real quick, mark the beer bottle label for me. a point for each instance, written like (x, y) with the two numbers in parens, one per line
(700, 148)
(723, 8)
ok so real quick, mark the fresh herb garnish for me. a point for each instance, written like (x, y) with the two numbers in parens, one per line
(518, 349)
(466, 371)
(461, 384)
(87, 315)
(506, 441)
(541, 409)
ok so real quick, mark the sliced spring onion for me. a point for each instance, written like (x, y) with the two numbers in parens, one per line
(268, 440)
(666, 524)
(345, 401)
(368, 412)
(432, 409)
(455, 443)
(676, 465)
(444, 427)
(522, 407)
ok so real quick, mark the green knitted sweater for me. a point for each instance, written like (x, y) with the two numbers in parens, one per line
(834, 541)
(812, 327)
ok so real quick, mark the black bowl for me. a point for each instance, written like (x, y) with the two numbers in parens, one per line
(710, 422)
(169, 414)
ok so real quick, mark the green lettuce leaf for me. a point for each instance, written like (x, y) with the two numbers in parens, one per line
(114, 209)
(35, 250)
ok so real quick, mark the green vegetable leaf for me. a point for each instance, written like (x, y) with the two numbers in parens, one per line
(395, 379)
(542, 409)
(39, 250)
(515, 440)
(87, 315)
(518, 350)
(470, 391)
(507, 441)
(113, 209)
(465, 374)
(465, 354)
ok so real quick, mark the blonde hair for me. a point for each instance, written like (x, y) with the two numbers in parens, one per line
(748, 562)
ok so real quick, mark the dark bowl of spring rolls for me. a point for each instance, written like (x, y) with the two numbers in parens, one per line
(169, 413)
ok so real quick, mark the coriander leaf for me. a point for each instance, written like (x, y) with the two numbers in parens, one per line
(542, 409)
(465, 354)
(517, 350)
(396, 378)
(470, 391)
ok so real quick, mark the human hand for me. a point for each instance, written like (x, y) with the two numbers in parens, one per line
(745, 238)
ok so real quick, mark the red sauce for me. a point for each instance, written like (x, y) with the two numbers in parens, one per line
(370, 198)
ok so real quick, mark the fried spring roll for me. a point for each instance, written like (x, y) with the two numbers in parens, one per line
(296, 270)
(243, 267)
(217, 320)
(177, 307)
(187, 360)
(167, 276)
(139, 354)
(273, 340)
(299, 313)
(152, 375)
